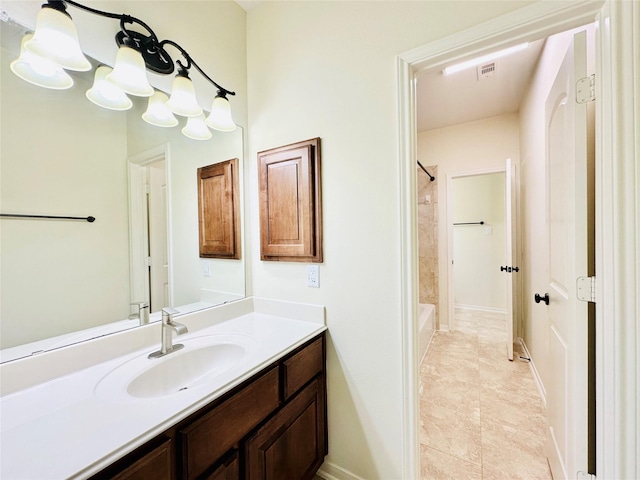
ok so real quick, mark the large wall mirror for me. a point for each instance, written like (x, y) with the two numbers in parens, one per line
(64, 281)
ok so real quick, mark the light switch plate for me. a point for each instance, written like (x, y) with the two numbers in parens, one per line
(313, 276)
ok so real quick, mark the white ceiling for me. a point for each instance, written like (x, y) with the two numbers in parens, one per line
(461, 97)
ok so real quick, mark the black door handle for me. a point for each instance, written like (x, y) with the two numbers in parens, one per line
(539, 299)
(503, 269)
(516, 269)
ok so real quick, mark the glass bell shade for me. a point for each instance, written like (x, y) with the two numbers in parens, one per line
(56, 39)
(106, 94)
(39, 71)
(130, 74)
(158, 113)
(196, 128)
(220, 116)
(183, 98)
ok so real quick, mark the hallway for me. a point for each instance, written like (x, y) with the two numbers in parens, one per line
(481, 416)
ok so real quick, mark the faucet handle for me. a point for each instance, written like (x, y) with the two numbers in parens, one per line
(170, 311)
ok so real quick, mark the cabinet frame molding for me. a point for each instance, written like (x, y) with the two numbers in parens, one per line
(291, 203)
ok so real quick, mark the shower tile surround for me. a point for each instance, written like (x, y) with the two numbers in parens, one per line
(428, 236)
(481, 416)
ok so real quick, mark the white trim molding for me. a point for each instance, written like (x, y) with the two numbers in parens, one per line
(330, 471)
(617, 248)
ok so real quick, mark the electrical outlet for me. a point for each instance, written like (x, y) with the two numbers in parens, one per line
(313, 276)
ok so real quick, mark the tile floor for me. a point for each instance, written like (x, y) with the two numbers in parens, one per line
(481, 415)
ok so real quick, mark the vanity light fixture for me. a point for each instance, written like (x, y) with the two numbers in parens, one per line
(106, 94)
(220, 116)
(484, 59)
(183, 96)
(56, 40)
(158, 113)
(196, 128)
(39, 71)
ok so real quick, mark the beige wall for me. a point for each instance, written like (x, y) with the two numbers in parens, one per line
(470, 147)
(327, 69)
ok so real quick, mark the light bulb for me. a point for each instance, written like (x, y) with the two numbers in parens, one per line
(220, 116)
(129, 72)
(39, 71)
(183, 97)
(56, 39)
(105, 94)
(196, 128)
(158, 113)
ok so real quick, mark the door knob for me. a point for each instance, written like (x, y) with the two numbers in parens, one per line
(503, 269)
(539, 299)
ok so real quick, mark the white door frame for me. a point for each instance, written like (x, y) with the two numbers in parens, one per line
(617, 211)
(138, 237)
(449, 252)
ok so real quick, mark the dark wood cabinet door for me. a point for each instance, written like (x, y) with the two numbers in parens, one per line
(218, 210)
(292, 444)
(291, 203)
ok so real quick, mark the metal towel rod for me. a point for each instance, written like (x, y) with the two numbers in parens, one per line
(431, 177)
(56, 217)
(470, 223)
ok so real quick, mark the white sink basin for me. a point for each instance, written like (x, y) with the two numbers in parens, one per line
(202, 360)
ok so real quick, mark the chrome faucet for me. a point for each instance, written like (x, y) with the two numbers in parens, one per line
(168, 327)
(142, 314)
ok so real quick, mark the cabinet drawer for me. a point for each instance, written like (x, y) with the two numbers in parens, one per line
(208, 438)
(155, 464)
(302, 367)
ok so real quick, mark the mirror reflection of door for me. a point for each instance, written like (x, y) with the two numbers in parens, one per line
(157, 235)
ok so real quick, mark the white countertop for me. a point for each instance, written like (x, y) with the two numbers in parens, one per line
(62, 429)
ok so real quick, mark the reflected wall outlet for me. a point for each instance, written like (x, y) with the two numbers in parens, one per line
(313, 276)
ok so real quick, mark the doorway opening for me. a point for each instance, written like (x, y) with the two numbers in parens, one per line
(435, 57)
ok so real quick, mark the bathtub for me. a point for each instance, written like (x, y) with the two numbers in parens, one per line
(426, 327)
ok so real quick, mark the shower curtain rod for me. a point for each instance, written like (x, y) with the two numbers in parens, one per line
(431, 177)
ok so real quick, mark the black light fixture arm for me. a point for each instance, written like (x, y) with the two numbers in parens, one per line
(152, 49)
(192, 62)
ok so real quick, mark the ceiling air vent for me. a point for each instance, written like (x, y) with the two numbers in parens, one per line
(486, 70)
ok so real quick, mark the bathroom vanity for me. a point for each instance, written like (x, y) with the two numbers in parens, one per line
(271, 426)
(256, 409)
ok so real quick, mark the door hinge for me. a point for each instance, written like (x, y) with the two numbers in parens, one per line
(586, 289)
(586, 89)
(585, 476)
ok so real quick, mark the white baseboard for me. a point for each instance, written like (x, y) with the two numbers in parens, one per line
(480, 308)
(534, 372)
(330, 471)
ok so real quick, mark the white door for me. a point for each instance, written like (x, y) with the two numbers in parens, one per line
(159, 261)
(510, 243)
(566, 216)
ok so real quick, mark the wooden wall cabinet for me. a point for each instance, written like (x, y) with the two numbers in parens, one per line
(271, 427)
(218, 210)
(291, 203)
